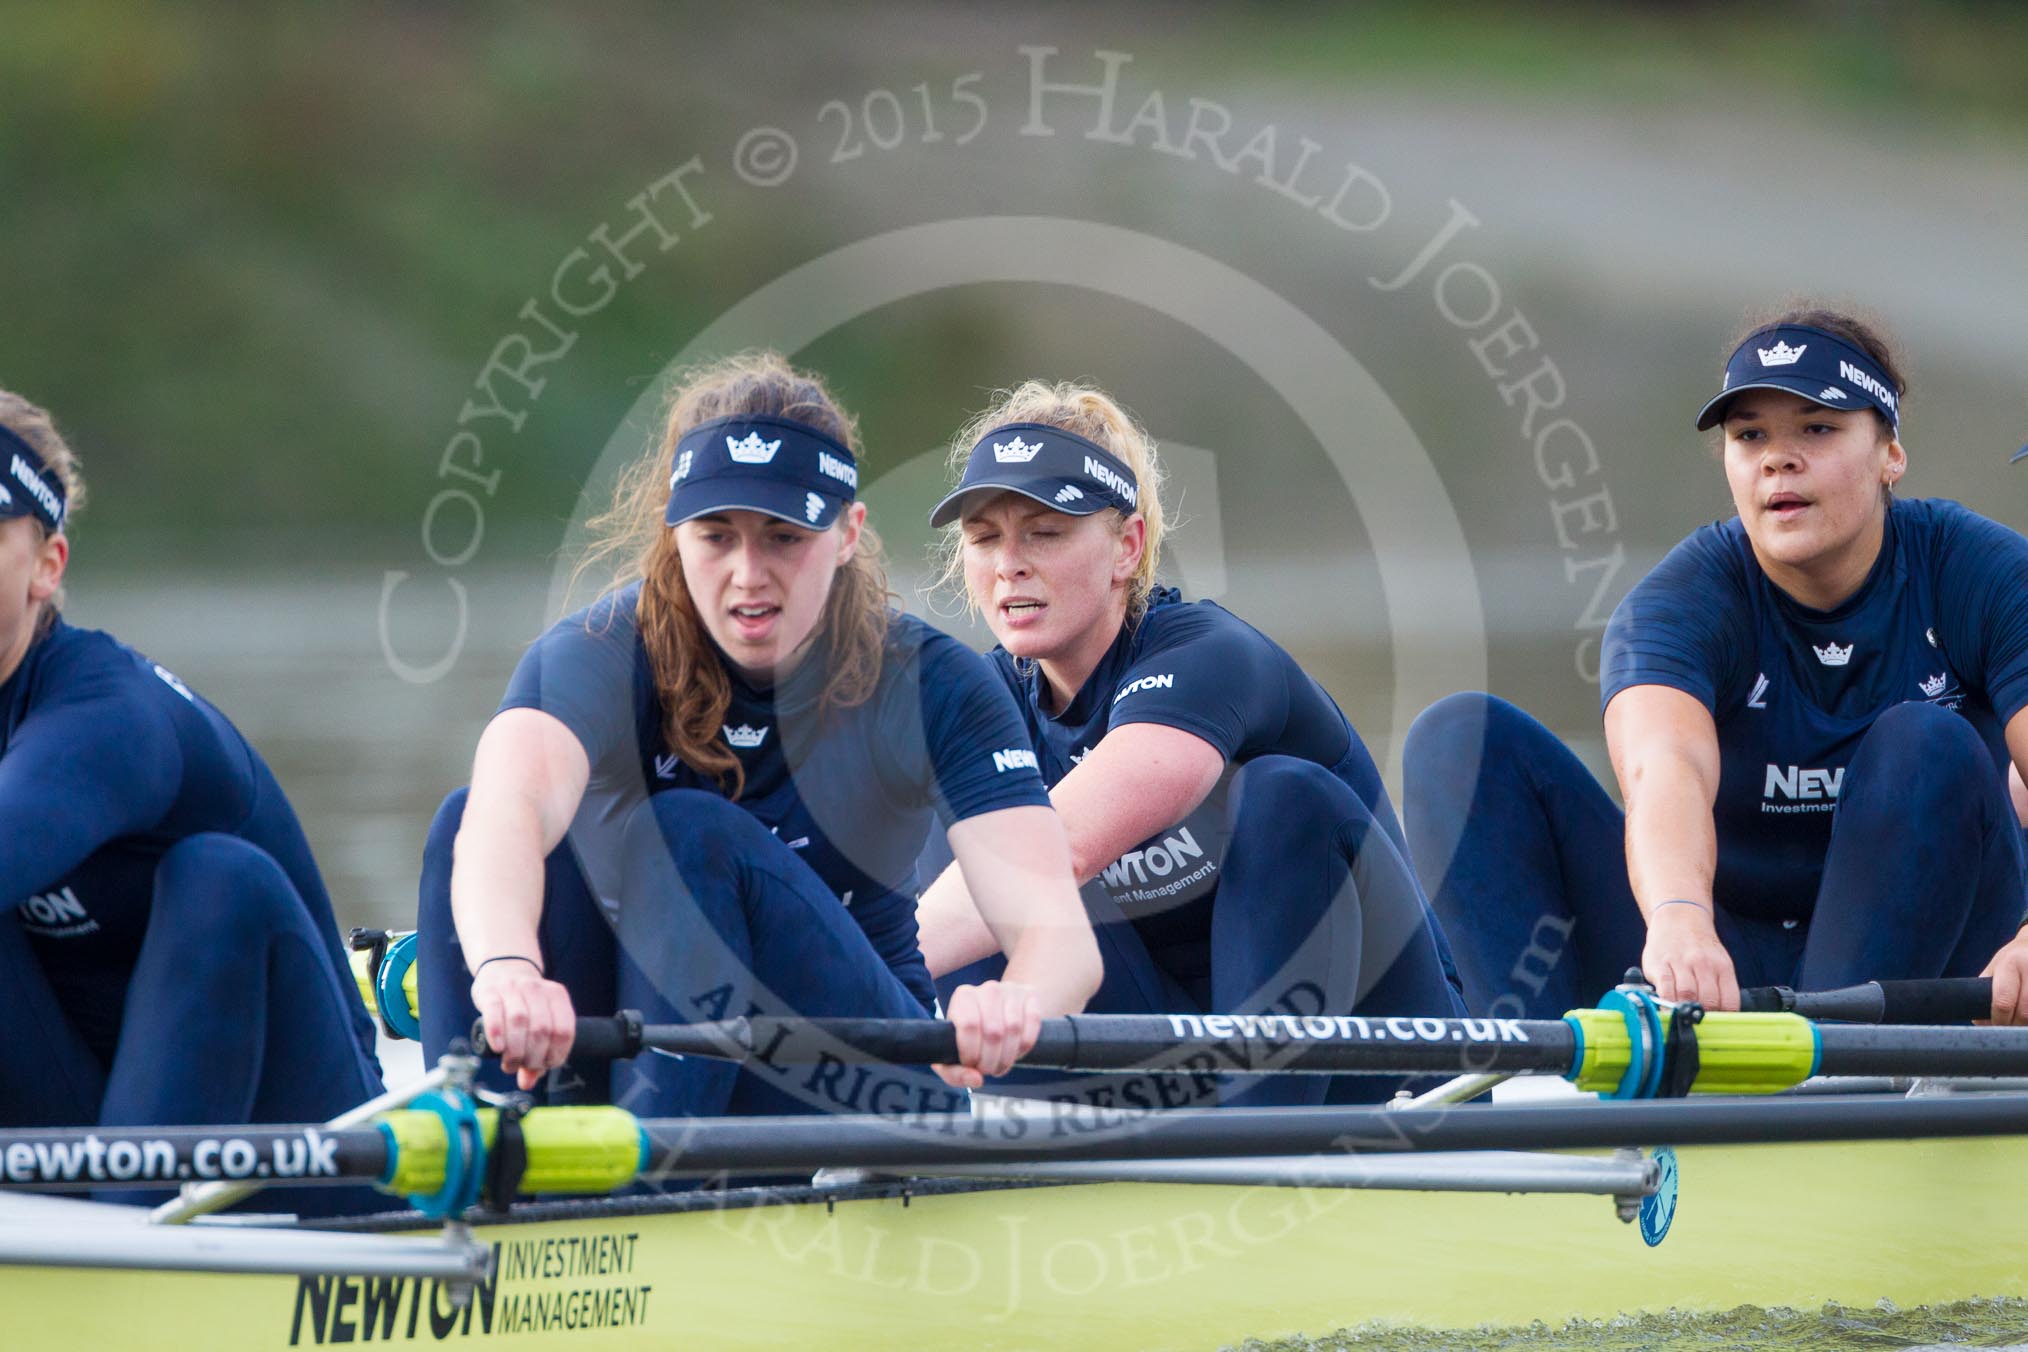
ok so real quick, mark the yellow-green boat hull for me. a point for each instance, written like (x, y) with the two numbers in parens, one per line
(1130, 1265)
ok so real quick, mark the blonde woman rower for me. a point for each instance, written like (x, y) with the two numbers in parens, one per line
(1242, 853)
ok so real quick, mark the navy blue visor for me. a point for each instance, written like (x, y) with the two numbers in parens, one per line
(29, 487)
(1058, 469)
(779, 466)
(1801, 360)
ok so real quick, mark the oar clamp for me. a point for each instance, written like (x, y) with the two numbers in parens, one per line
(391, 993)
(1646, 1048)
(388, 960)
(465, 1171)
(507, 1161)
(1679, 1052)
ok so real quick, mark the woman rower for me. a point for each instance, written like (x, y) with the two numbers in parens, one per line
(1810, 707)
(1245, 855)
(704, 795)
(171, 955)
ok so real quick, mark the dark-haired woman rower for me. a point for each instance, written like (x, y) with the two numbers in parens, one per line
(1241, 853)
(704, 795)
(167, 950)
(1811, 709)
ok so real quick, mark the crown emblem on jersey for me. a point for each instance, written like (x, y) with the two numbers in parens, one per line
(1781, 354)
(1017, 451)
(682, 468)
(751, 450)
(1831, 655)
(746, 738)
(1933, 686)
(1069, 493)
(1831, 392)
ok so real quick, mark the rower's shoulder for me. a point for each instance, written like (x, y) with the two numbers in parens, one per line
(1938, 525)
(71, 658)
(1712, 559)
(99, 686)
(915, 645)
(611, 622)
(1171, 623)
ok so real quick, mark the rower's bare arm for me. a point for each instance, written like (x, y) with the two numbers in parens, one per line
(1016, 869)
(948, 925)
(2009, 967)
(528, 777)
(1139, 779)
(1664, 748)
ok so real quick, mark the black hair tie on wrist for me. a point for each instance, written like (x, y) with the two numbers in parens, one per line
(508, 957)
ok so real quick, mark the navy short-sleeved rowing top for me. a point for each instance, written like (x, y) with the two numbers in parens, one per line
(853, 792)
(1198, 667)
(106, 761)
(1942, 617)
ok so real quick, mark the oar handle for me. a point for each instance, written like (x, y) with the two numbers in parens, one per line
(1941, 1000)
(612, 1037)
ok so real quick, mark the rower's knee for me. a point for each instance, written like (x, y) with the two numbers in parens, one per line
(1921, 753)
(439, 845)
(1914, 731)
(444, 826)
(214, 879)
(706, 835)
(1291, 794)
(433, 893)
(1461, 736)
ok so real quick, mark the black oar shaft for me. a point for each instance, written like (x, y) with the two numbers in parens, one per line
(113, 1157)
(1346, 1044)
(701, 1148)
(1859, 1049)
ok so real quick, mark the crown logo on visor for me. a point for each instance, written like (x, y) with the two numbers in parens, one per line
(1831, 655)
(752, 450)
(682, 468)
(1069, 493)
(1831, 392)
(6, 498)
(813, 506)
(1781, 354)
(1016, 452)
(746, 738)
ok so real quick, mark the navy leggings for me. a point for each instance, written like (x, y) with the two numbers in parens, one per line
(716, 918)
(1527, 855)
(233, 1014)
(1316, 912)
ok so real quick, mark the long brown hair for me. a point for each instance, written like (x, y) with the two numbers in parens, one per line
(691, 682)
(33, 425)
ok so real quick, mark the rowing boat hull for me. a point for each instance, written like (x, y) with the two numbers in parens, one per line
(1129, 1265)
